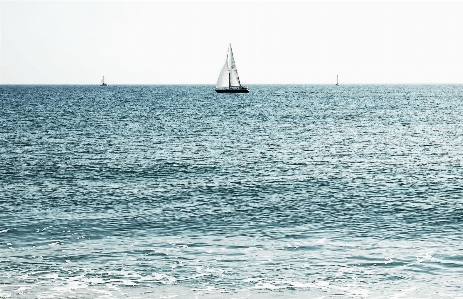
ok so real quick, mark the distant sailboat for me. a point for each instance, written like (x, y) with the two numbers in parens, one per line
(229, 81)
(337, 81)
(102, 82)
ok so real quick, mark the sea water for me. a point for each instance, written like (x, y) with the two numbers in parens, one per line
(292, 191)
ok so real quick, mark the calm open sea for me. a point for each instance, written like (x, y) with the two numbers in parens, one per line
(292, 191)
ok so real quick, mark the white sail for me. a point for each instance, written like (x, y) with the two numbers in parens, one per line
(223, 81)
(102, 80)
(234, 78)
(229, 81)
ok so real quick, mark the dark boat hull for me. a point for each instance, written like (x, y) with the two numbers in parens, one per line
(240, 90)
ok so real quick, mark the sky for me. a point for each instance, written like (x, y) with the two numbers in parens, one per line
(274, 42)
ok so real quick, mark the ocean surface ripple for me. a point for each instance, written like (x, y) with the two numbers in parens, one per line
(290, 191)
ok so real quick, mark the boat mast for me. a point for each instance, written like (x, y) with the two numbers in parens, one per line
(229, 58)
(229, 73)
(229, 70)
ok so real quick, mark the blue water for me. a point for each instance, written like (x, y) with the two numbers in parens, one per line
(292, 191)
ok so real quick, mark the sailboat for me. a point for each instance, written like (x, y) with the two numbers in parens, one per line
(337, 81)
(229, 81)
(102, 82)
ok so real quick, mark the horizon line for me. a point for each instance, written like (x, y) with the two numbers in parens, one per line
(209, 84)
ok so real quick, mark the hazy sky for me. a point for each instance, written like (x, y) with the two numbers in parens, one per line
(303, 42)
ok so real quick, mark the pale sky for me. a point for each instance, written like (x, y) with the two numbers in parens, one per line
(280, 42)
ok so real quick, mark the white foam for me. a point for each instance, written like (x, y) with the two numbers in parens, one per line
(267, 285)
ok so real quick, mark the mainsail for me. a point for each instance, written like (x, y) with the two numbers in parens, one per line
(234, 78)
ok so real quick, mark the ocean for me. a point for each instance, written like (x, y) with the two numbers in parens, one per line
(174, 191)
